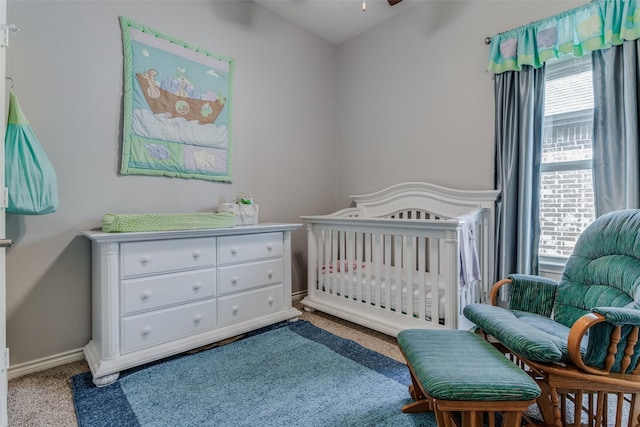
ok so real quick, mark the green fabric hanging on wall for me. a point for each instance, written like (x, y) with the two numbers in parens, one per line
(29, 175)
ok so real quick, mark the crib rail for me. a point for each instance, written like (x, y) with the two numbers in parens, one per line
(407, 261)
(396, 272)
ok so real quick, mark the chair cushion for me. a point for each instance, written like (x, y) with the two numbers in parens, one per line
(604, 269)
(529, 335)
(462, 366)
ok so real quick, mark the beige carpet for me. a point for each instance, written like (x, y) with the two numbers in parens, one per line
(44, 398)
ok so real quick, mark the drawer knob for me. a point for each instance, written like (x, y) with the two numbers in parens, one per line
(270, 301)
(144, 297)
(235, 309)
(270, 274)
(196, 255)
(145, 260)
(144, 333)
(234, 280)
(196, 287)
(269, 247)
(234, 251)
(196, 319)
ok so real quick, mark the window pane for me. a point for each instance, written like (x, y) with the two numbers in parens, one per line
(566, 208)
(567, 137)
(566, 192)
(568, 110)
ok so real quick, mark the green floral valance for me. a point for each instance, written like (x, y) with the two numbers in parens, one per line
(597, 25)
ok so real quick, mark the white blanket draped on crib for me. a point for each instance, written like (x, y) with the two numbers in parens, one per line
(468, 248)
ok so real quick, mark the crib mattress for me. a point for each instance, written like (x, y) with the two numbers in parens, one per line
(352, 278)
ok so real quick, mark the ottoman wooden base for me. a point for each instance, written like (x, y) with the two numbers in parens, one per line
(464, 380)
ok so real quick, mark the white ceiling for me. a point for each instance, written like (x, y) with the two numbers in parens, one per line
(336, 20)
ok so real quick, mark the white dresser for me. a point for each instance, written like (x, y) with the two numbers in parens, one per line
(156, 294)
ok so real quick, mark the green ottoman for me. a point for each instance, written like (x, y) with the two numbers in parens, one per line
(459, 372)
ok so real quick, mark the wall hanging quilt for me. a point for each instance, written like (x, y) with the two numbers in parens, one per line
(177, 107)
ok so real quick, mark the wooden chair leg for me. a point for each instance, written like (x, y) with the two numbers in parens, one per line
(577, 408)
(619, 409)
(472, 419)
(600, 408)
(442, 418)
(512, 419)
(412, 392)
(415, 390)
(634, 410)
(544, 403)
(421, 401)
(558, 416)
(417, 407)
(591, 410)
(492, 419)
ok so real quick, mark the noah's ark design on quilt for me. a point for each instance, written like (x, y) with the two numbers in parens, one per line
(179, 98)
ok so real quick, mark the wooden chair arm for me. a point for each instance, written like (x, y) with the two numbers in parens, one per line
(493, 296)
(580, 329)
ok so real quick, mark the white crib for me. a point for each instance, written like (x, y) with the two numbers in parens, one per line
(380, 263)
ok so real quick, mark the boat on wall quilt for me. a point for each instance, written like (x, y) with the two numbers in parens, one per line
(178, 98)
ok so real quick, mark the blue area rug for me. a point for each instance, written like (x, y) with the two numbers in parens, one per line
(289, 374)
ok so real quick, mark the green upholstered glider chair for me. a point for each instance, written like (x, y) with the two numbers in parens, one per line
(579, 336)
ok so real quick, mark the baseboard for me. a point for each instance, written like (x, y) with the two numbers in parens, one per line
(37, 365)
(298, 296)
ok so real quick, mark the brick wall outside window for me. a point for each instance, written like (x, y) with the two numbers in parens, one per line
(566, 196)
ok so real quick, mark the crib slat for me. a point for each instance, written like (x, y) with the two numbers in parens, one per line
(434, 263)
(397, 274)
(334, 263)
(357, 265)
(422, 283)
(451, 274)
(408, 246)
(347, 267)
(378, 250)
(341, 257)
(317, 285)
(387, 268)
(367, 269)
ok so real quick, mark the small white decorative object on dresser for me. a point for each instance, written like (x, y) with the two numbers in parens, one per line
(156, 294)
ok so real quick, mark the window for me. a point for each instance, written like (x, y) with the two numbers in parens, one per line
(566, 188)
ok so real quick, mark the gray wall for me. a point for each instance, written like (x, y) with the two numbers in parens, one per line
(66, 62)
(313, 122)
(415, 100)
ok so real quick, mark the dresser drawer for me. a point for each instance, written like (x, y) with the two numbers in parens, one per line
(140, 258)
(237, 307)
(249, 247)
(241, 277)
(152, 292)
(144, 330)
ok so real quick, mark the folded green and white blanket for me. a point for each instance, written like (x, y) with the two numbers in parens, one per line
(114, 223)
